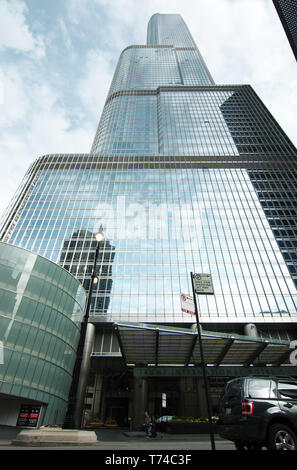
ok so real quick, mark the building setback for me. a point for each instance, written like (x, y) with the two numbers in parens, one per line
(185, 176)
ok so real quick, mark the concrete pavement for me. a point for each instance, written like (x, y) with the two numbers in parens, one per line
(134, 450)
(123, 439)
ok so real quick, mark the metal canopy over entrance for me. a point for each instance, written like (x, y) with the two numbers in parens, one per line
(157, 345)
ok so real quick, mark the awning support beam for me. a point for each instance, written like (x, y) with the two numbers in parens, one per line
(157, 347)
(283, 358)
(194, 342)
(224, 352)
(255, 354)
(120, 344)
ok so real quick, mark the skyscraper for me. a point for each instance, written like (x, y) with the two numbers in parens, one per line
(286, 10)
(185, 176)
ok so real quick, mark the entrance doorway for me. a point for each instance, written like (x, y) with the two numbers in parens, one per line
(117, 409)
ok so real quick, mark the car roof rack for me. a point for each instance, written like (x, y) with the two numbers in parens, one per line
(284, 377)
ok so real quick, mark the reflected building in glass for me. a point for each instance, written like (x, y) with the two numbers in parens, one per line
(185, 176)
(78, 256)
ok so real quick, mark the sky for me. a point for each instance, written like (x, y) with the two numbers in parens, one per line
(57, 59)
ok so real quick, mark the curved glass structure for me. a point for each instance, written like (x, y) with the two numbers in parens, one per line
(41, 306)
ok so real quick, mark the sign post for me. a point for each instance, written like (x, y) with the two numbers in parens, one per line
(202, 284)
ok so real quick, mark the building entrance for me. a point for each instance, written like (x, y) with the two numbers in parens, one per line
(164, 395)
(117, 411)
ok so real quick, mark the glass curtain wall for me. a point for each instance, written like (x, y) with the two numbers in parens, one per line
(160, 224)
(173, 177)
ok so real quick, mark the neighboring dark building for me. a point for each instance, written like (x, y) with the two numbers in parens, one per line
(275, 188)
(287, 12)
(77, 257)
(184, 176)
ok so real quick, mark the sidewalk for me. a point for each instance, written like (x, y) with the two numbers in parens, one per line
(7, 434)
(169, 436)
(123, 438)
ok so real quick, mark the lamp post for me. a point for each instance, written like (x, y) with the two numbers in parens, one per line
(73, 417)
(99, 238)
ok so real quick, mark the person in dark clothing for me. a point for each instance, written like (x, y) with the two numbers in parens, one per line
(147, 422)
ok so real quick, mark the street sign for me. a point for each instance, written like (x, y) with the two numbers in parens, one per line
(203, 284)
(187, 304)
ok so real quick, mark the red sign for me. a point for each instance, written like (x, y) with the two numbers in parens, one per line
(187, 304)
(28, 416)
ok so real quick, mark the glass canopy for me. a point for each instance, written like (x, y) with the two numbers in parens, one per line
(147, 344)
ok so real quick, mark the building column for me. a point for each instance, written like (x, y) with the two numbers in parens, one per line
(139, 401)
(251, 330)
(189, 397)
(98, 395)
(84, 374)
(202, 405)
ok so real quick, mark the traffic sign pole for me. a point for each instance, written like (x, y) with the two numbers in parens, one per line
(203, 365)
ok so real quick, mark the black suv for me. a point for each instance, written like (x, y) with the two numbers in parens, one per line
(257, 412)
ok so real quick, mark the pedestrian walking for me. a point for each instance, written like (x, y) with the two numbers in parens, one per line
(147, 422)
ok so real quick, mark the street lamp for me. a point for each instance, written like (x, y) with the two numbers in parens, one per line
(99, 235)
(81, 370)
(99, 238)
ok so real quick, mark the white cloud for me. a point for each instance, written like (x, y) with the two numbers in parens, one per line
(33, 122)
(14, 103)
(65, 32)
(51, 128)
(49, 106)
(14, 32)
(93, 87)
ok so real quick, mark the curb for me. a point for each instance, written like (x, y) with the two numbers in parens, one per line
(52, 444)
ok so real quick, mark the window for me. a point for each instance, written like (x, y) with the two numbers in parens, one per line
(287, 390)
(260, 389)
(234, 389)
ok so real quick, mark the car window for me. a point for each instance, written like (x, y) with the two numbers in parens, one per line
(165, 418)
(259, 388)
(234, 389)
(287, 390)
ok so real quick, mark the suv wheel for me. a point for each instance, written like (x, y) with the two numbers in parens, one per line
(240, 445)
(281, 437)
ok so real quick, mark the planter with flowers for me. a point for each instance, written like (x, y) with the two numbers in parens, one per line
(110, 423)
(190, 425)
(94, 423)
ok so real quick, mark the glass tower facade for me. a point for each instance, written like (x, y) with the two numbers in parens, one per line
(184, 176)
